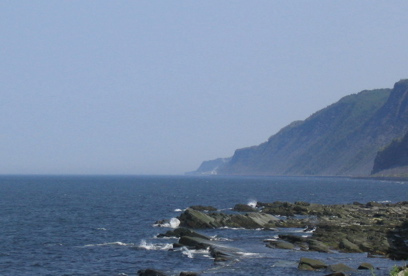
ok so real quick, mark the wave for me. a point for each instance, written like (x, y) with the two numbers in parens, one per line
(191, 252)
(155, 246)
(252, 203)
(110, 244)
(172, 223)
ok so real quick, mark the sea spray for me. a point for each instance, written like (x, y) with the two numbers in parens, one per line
(158, 246)
(252, 203)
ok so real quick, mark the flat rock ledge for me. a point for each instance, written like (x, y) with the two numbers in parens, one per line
(375, 228)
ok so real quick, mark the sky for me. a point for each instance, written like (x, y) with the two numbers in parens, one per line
(157, 87)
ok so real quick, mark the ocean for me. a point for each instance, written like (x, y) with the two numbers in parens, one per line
(105, 225)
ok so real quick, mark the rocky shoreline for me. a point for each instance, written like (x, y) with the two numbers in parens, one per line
(380, 229)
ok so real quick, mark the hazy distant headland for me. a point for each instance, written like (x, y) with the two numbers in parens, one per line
(362, 134)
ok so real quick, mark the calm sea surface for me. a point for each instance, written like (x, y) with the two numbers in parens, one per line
(103, 225)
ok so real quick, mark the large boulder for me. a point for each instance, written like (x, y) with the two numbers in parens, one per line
(339, 268)
(196, 219)
(311, 264)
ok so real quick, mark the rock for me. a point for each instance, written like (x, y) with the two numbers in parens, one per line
(281, 245)
(339, 268)
(196, 219)
(180, 232)
(336, 274)
(318, 246)
(292, 238)
(203, 208)
(311, 264)
(244, 208)
(150, 272)
(348, 246)
(194, 242)
(366, 266)
(187, 273)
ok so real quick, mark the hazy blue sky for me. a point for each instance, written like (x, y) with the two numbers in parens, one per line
(156, 87)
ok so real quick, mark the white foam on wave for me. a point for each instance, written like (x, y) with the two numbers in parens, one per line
(248, 254)
(155, 246)
(252, 203)
(101, 229)
(110, 244)
(384, 201)
(191, 252)
(172, 223)
(178, 210)
(215, 238)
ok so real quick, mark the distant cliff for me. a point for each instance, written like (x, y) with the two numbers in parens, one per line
(342, 139)
(210, 167)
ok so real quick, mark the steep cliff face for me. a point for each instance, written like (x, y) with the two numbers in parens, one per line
(342, 139)
(393, 157)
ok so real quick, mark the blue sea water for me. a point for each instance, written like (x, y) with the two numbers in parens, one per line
(104, 225)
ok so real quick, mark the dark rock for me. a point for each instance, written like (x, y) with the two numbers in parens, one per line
(311, 264)
(292, 238)
(203, 208)
(194, 242)
(366, 266)
(244, 208)
(150, 272)
(180, 232)
(336, 274)
(187, 273)
(281, 245)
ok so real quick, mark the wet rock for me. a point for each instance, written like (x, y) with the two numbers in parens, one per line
(180, 232)
(194, 242)
(196, 219)
(150, 272)
(318, 246)
(293, 238)
(281, 245)
(244, 208)
(187, 273)
(365, 266)
(311, 264)
(348, 246)
(336, 274)
(339, 268)
(203, 208)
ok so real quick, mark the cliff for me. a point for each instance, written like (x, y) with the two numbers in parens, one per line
(342, 139)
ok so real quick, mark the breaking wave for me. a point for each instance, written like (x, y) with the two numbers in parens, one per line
(252, 203)
(155, 246)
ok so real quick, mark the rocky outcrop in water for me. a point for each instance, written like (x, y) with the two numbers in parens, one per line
(196, 219)
(376, 228)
